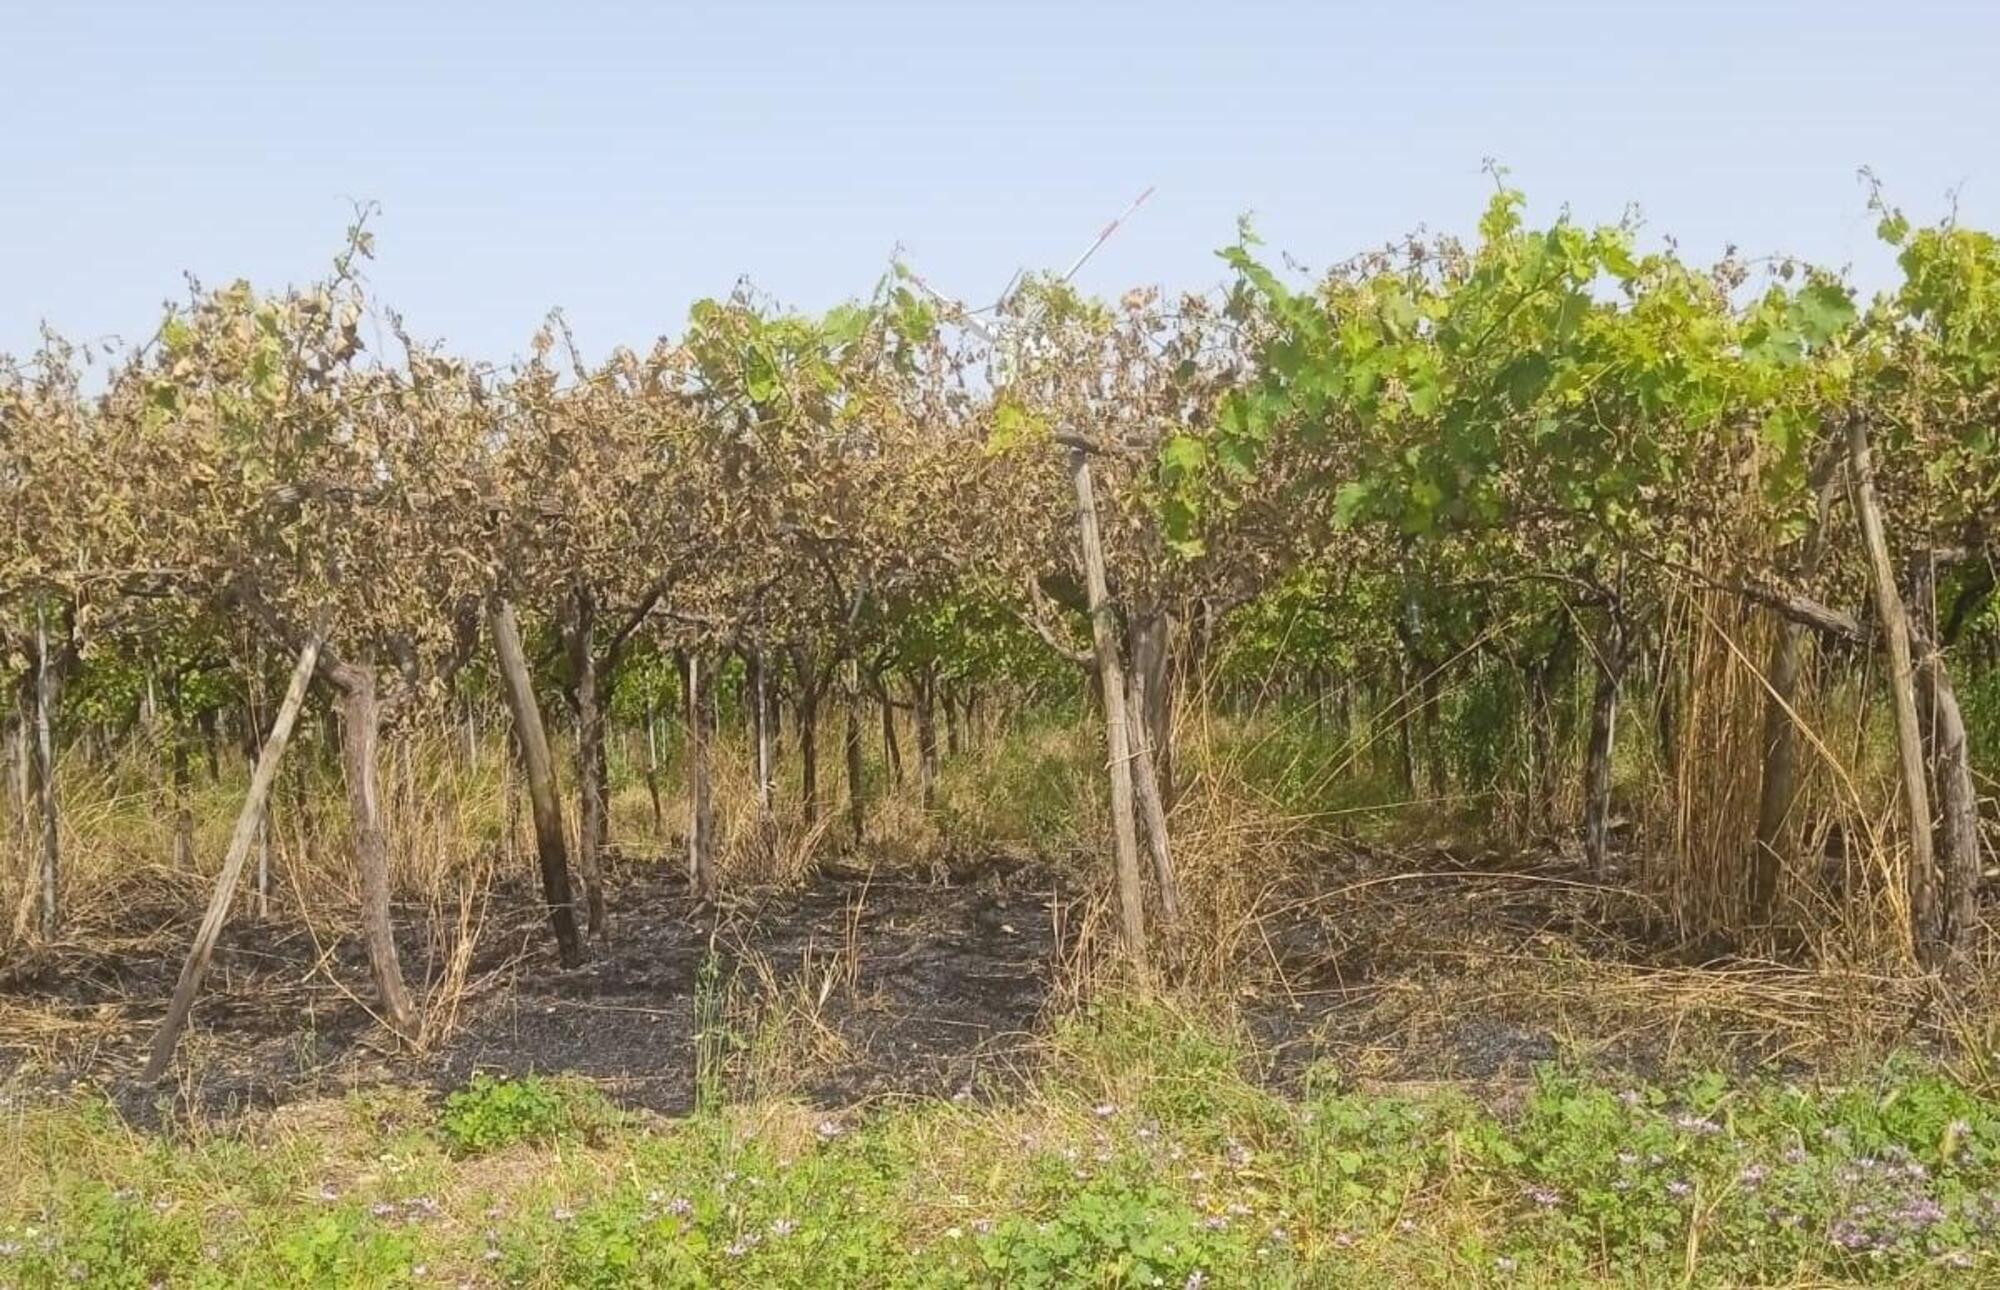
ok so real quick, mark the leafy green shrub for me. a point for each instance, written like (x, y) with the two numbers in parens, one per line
(491, 1113)
(1115, 1232)
(342, 1249)
(1361, 1158)
(103, 1237)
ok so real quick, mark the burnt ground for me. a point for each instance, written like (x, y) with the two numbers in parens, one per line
(1397, 966)
(932, 984)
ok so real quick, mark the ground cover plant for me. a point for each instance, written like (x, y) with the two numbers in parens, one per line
(1142, 1154)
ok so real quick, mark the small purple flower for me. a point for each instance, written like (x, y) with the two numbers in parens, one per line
(1752, 1176)
(1680, 1187)
(680, 1207)
(1700, 1125)
(1919, 1211)
(1196, 1280)
(1544, 1197)
(783, 1227)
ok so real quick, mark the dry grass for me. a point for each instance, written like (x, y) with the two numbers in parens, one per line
(1382, 953)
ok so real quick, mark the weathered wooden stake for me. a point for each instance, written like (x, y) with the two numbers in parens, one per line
(249, 828)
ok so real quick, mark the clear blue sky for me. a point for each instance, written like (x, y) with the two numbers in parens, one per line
(623, 161)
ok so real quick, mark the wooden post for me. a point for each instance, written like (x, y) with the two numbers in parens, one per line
(580, 638)
(1603, 742)
(892, 750)
(857, 799)
(360, 736)
(551, 848)
(701, 775)
(45, 779)
(1152, 802)
(653, 765)
(807, 717)
(927, 735)
(1895, 629)
(1943, 722)
(249, 830)
(1150, 637)
(20, 824)
(767, 763)
(1111, 690)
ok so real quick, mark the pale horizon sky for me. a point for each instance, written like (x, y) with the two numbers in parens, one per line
(622, 161)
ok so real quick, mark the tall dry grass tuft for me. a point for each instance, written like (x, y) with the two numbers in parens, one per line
(1235, 847)
(1702, 813)
(1843, 882)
